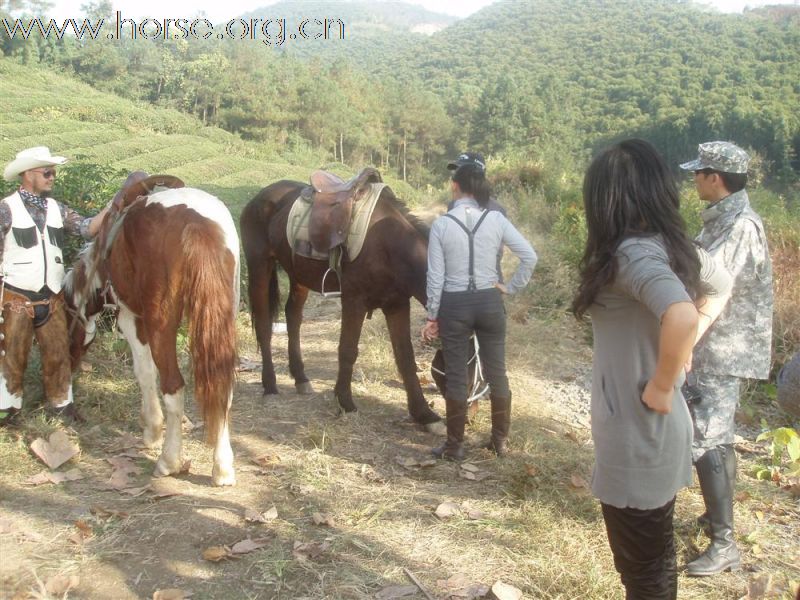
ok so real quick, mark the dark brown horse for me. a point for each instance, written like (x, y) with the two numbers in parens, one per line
(390, 269)
(170, 254)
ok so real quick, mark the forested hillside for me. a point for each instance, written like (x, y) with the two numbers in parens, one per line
(542, 79)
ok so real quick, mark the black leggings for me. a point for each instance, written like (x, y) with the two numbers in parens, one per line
(461, 314)
(643, 545)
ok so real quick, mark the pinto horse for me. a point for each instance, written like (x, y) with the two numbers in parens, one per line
(170, 253)
(390, 269)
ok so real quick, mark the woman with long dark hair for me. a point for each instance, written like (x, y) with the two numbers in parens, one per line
(465, 297)
(640, 278)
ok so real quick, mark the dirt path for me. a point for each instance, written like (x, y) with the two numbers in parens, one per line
(354, 496)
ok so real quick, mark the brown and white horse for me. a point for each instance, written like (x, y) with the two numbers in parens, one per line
(171, 253)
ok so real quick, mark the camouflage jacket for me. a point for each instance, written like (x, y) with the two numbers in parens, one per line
(739, 342)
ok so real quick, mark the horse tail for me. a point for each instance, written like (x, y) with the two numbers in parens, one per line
(212, 277)
(254, 225)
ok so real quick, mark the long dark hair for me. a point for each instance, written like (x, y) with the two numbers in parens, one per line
(629, 191)
(471, 179)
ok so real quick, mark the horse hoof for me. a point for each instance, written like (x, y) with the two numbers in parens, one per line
(164, 470)
(222, 478)
(437, 428)
(304, 388)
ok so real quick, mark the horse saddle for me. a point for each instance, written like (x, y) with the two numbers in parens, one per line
(140, 184)
(332, 205)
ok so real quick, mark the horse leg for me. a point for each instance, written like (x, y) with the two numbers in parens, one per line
(222, 472)
(144, 368)
(294, 318)
(262, 278)
(353, 314)
(165, 356)
(398, 320)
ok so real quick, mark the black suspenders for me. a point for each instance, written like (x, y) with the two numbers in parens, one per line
(471, 235)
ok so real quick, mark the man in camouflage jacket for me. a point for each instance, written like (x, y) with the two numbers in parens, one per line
(736, 346)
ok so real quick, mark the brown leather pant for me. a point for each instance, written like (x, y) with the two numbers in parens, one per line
(18, 332)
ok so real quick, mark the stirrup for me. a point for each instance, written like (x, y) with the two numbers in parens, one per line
(336, 294)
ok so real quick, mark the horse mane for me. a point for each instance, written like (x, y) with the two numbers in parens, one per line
(77, 282)
(418, 224)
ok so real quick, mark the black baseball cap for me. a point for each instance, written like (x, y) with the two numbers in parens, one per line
(467, 158)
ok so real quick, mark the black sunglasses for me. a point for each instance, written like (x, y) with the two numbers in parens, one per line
(47, 173)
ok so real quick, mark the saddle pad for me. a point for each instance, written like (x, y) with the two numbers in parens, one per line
(297, 225)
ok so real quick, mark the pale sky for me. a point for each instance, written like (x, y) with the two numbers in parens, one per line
(222, 11)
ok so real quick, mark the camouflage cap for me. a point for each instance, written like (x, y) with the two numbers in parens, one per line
(720, 156)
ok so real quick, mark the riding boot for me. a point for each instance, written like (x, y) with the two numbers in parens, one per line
(453, 448)
(730, 469)
(717, 487)
(501, 423)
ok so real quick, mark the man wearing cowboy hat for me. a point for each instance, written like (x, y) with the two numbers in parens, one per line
(32, 228)
(737, 345)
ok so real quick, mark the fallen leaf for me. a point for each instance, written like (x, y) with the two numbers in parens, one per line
(756, 550)
(302, 490)
(476, 515)
(469, 467)
(54, 477)
(759, 586)
(171, 594)
(253, 516)
(84, 532)
(86, 367)
(59, 585)
(578, 482)
(759, 515)
(185, 467)
(248, 545)
(216, 553)
(136, 491)
(396, 591)
(246, 364)
(503, 591)
(447, 509)
(463, 586)
(467, 475)
(742, 496)
(57, 450)
(407, 462)
(323, 519)
(310, 550)
(266, 460)
(123, 467)
(125, 442)
(531, 470)
(794, 490)
(573, 436)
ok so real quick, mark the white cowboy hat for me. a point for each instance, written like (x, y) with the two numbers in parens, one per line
(32, 158)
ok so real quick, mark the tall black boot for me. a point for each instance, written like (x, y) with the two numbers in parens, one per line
(453, 448)
(722, 553)
(501, 424)
(730, 468)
